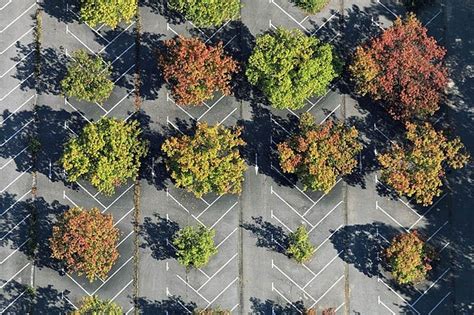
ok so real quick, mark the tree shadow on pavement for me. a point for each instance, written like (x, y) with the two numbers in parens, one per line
(268, 235)
(161, 7)
(158, 236)
(174, 305)
(271, 307)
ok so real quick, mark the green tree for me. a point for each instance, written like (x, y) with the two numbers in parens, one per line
(409, 258)
(318, 154)
(208, 161)
(107, 153)
(207, 13)
(418, 167)
(311, 6)
(290, 67)
(92, 305)
(300, 247)
(108, 12)
(87, 78)
(86, 242)
(194, 246)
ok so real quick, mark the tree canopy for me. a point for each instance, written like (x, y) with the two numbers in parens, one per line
(87, 78)
(92, 305)
(107, 153)
(86, 242)
(108, 12)
(409, 258)
(194, 246)
(207, 13)
(403, 69)
(300, 247)
(417, 168)
(289, 67)
(195, 70)
(318, 154)
(208, 161)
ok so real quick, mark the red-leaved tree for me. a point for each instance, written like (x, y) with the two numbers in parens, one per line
(86, 242)
(194, 70)
(402, 68)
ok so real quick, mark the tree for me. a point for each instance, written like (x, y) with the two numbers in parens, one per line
(300, 247)
(208, 161)
(417, 168)
(207, 13)
(88, 78)
(86, 242)
(107, 153)
(403, 69)
(311, 6)
(194, 246)
(108, 12)
(217, 311)
(318, 154)
(92, 305)
(409, 258)
(195, 71)
(290, 67)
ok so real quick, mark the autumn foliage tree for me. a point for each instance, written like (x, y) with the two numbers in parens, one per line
(92, 305)
(417, 168)
(109, 12)
(107, 153)
(208, 161)
(318, 154)
(86, 242)
(403, 69)
(288, 67)
(194, 70)
(409, 258)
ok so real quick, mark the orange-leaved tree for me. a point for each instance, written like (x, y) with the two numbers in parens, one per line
(194, 70)
(409, 258)
(418, 167)
(318, 154)
(403, 68)
(86, 242)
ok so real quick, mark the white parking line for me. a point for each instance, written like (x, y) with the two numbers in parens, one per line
(12, 277)
(6, 5)
(12, 182)
(217, 246)
(17, 201)
(322, 25)
(291, 280)
(222, 292)
(79, 112)
(191, 287)
(16, 87)
(395, 15)
(105, 47)
(324, 268)
(16, 64)
(13, 158)
(118, 293)
(327, 238)
(18, 108)
(17, 40)
(388, 215)
(17, 249)
(284, 297)
(379, 301)
(436, 232)
(290, 206)
(212, 226)
(117, 222)
(325, 216)
(432, 285)
(79, 40)
(9, 305)
(290, 16)
(441, 301)
(332, 112)
(18, 131)
(219, 270)
(273, 216)
(220, 123)
(327, 291)
(13, 228)
(17, 18)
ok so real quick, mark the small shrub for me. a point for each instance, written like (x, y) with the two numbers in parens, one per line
(108, 12)
(87, 78)
(409, 258)
(311, 6)
(92, 305)
(299, 247)
(194, 246)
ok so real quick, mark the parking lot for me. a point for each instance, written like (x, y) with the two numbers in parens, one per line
(251, 274)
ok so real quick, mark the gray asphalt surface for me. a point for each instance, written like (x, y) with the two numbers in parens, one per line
(250, 274)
